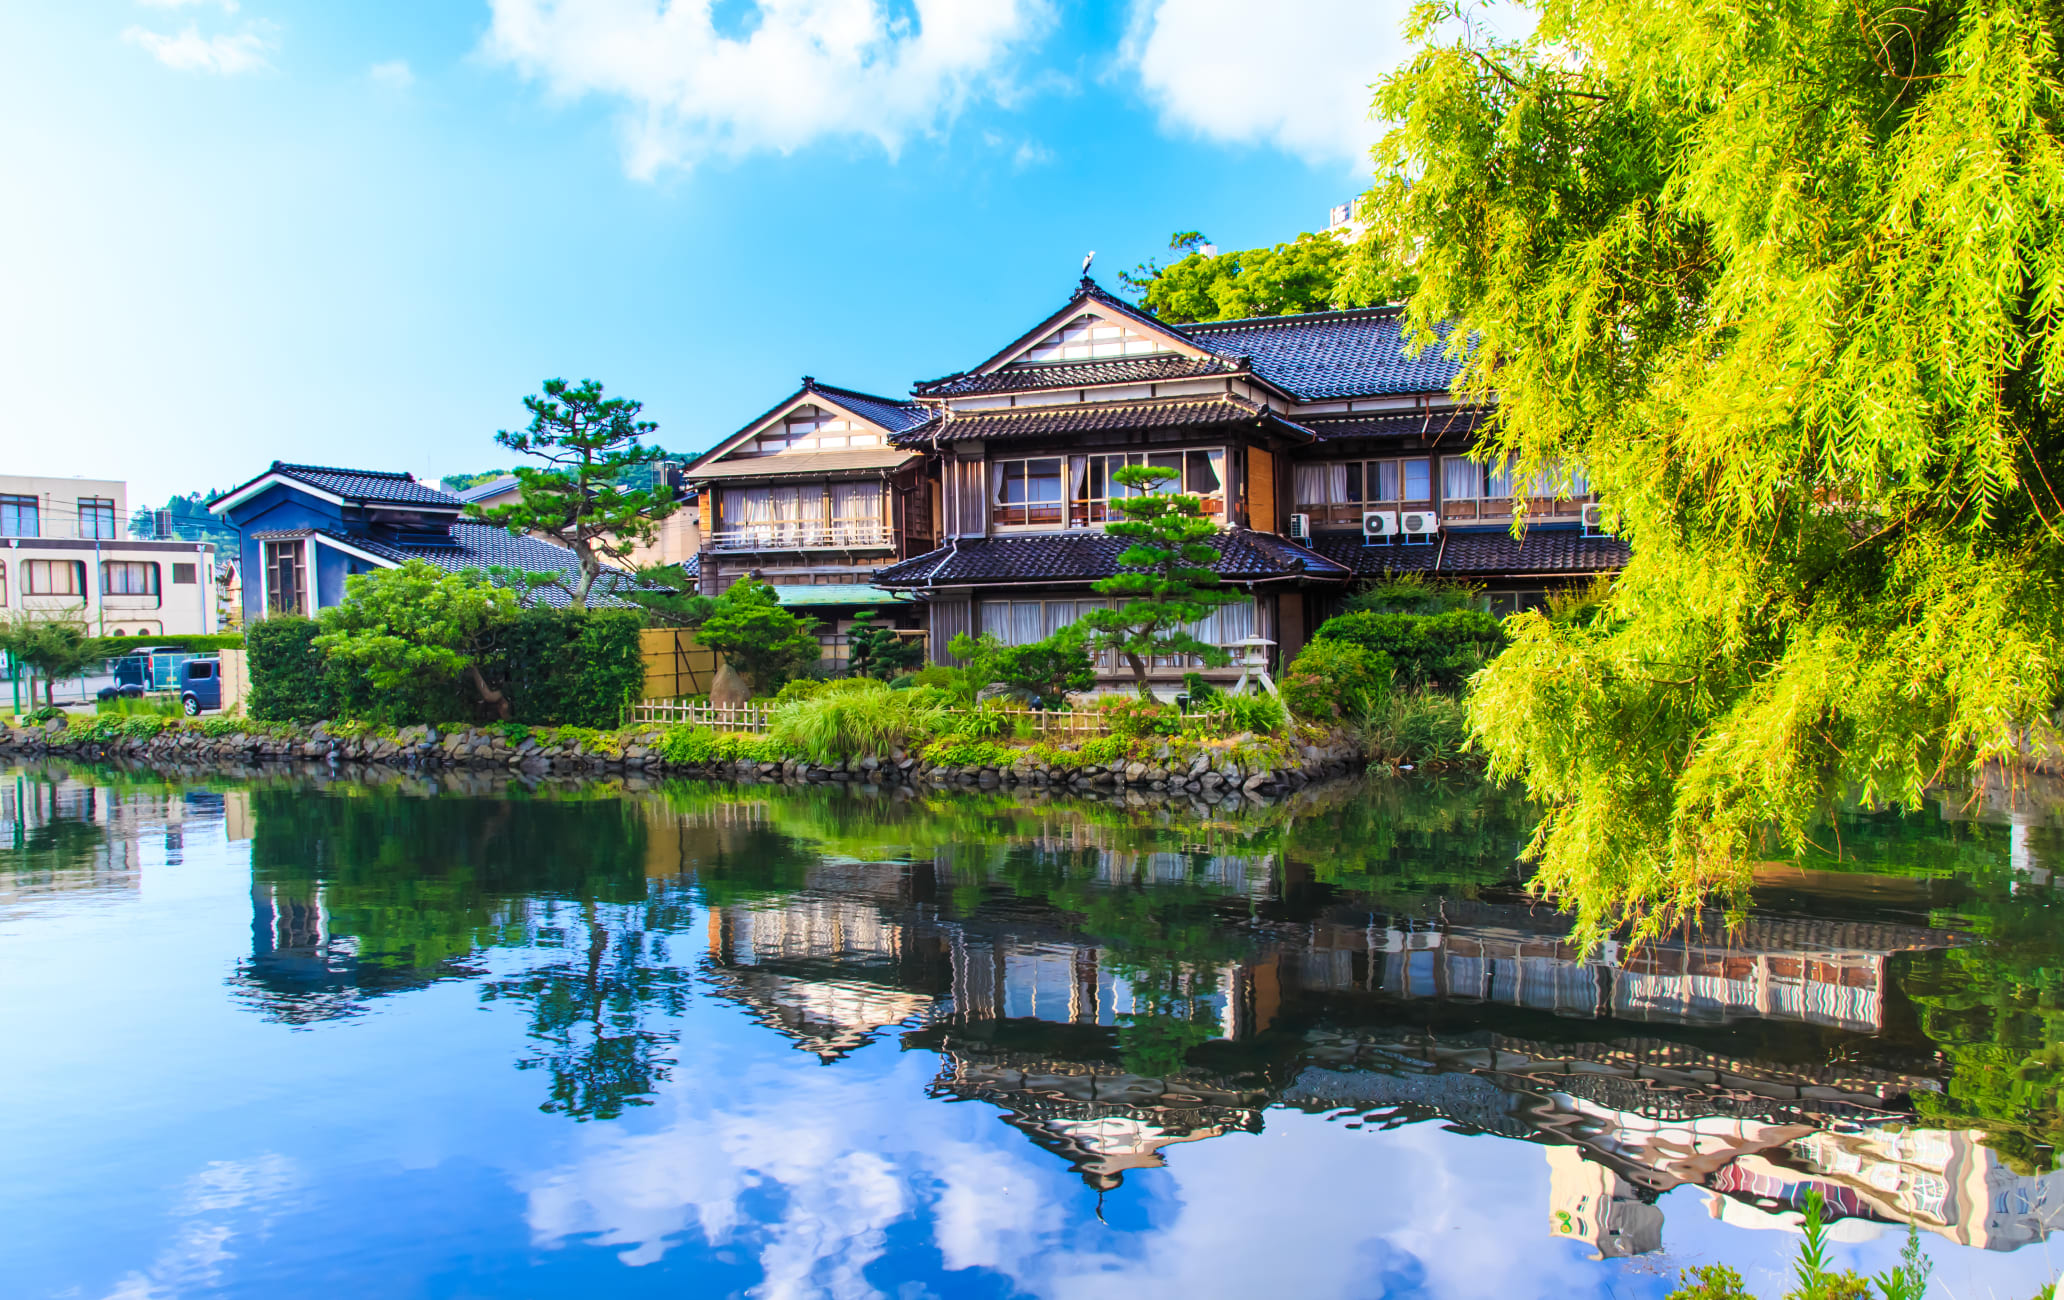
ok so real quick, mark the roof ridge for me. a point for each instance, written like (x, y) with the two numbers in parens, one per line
(1131, 403)
(819, 386)
(341, 469)
(1290, 318)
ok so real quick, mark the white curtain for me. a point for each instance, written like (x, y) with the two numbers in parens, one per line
(1226, 624)
(1385, 488)
(1461, 478)
(744, 507)
(856, 503)
(1311, 485)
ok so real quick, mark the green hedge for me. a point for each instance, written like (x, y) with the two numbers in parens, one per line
(112, 646)
(1439, 650)
(559, 668)
(563, 668)
(287, 679)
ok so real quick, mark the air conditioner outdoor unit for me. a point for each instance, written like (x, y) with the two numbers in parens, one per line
(1594, 519)
(1379, 523)
(1418, 523)
(1300, 527)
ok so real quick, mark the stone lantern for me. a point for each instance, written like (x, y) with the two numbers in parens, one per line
(1253, 654)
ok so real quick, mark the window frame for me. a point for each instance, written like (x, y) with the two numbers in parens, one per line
(77, 568)
(149, 570)
(16, 506)
(270, 556)
(1089, 504)
(102, 512)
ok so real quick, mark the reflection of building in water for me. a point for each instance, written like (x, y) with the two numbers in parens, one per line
(62, 835)
(1104, 1122)
(1821, 972)
(1588, 1202)
(301, 971)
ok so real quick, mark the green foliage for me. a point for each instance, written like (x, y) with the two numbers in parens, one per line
(54, 646)
(143, 706)
(1420, 726)
(668, 594)
(580, 499)
(979, 657)
(1171, 586)
(876, 651)
(460, 482)
(756, 636)
(1260, 714)
(1412, 593)
(688, 744)
(568, 667)
(402, 640)
(961, 751)
(1907, 1280)
(838, 724)
(1787, 290)
(1044, 672)
(1136, 716)
(1303, 275)
(287, 679)
(1437, 650)
(111, 647)
(1337, 681)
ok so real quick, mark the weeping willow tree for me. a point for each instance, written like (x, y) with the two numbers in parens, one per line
(1784, 278)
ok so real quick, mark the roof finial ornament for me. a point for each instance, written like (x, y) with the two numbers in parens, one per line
(1086, 261)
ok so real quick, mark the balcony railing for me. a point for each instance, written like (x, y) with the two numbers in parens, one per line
(795, 535)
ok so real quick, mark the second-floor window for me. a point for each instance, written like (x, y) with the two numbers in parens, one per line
(96, 517)
(1078, 491)
(20, 517)
(1338, 491)
(286, 581)
(54, 578)
(1472, 490)
(128, 578)
(816, 514)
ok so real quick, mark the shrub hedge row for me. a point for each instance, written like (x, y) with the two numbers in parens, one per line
(112, 646)
(558, 667)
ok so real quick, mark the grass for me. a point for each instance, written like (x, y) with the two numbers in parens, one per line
(865, 718)
(1419, 726)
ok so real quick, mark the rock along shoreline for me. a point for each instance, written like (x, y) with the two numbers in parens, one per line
(637, 751)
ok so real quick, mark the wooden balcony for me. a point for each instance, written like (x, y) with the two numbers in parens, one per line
(815, 535)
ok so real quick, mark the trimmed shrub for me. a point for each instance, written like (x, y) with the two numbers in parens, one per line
(1412, 593)
(1044, 672)
(1134, 716)
(1438, 650)
(564, 667)
(288, 683)
(1337, 681)
(115, 646)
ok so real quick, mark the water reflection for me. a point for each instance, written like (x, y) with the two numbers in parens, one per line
(1118, 984)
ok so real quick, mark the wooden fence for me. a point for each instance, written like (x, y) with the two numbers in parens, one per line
(744, 717)
(675, 664)
(1060, 724)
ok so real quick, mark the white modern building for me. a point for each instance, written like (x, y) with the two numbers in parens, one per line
(63, 554)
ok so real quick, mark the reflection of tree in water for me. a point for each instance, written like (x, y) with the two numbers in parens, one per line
(1995, 1008)
(590, 1011)
(361, 891)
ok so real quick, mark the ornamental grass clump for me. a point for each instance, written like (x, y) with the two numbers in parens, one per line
(861, 716)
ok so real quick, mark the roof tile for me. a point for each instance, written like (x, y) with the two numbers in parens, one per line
(374, 487)
(1332, 354)
(1550, 550)
(1085, 556)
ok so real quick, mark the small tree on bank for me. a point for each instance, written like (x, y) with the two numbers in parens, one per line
(874, 650)
(1171, 589)
(588, 441)
(52, 648)
(756, 636)
(412, 632)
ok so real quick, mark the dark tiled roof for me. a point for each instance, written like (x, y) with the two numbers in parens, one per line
(374, 487)
(1433, 426)
(1054, 421)
(792, 464)
(890, 413)
(1244, 556)
(1072, 374)
(1547, 551)
(482, 547)
(1330, 354)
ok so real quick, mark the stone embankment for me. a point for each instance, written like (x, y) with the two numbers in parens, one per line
(1239, 769)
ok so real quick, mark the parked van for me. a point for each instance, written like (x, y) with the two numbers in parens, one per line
(200, 685)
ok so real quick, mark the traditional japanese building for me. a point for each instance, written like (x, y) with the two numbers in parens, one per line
(813, 497)
(1325, 450)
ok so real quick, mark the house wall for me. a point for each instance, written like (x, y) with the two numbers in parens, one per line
(277, 509)
(57, 501)
(179, 609)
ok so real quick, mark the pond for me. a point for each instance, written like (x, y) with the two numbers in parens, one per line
(381, 1034)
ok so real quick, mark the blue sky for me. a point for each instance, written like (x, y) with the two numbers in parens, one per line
(240, 230)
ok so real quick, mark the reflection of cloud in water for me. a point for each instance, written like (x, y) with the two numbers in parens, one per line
(193, 1259)
(809, 1171)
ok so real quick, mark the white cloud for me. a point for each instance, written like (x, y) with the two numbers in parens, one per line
(189, 51)
(809, 69)
(394, 74)
(1299, 77)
